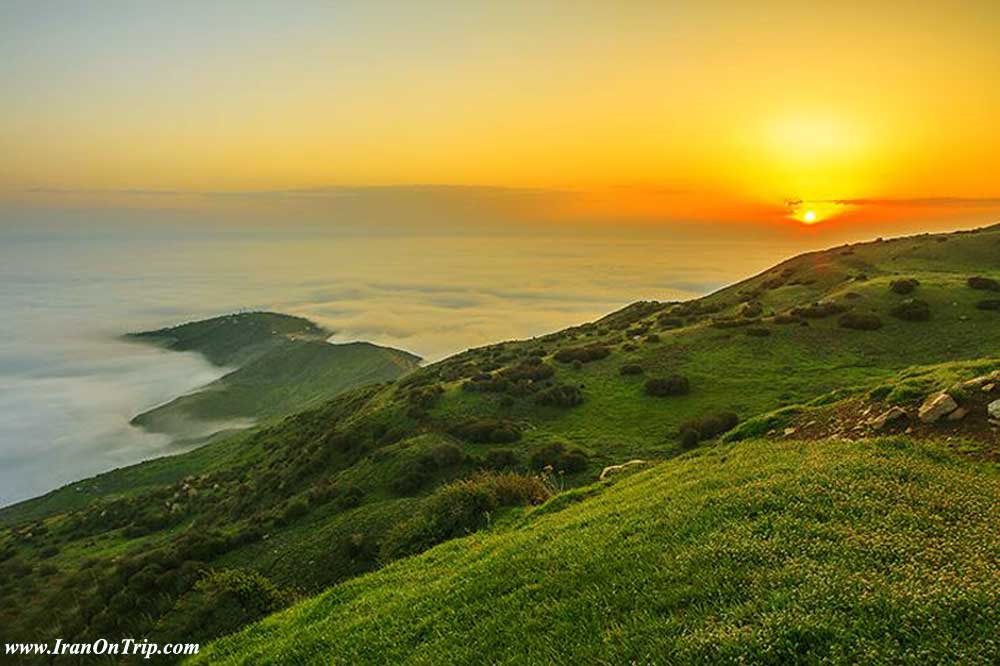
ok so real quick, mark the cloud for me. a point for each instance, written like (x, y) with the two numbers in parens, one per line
(920, 202)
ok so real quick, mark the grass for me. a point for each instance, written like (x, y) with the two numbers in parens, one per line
(760, 552)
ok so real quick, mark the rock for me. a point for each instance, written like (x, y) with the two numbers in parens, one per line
(958, 414)
(989, 388)
(936, 406)
(885, 419)
(791, 431)
(993, 409)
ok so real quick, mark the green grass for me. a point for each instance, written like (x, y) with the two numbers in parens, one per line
(760, 552)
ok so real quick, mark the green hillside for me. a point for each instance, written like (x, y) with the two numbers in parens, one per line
(760, 552)
(200, 544)
(285, 365)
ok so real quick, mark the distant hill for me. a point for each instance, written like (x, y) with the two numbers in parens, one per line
(198, 545)
(284, 365)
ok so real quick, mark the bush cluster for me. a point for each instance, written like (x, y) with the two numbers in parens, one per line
(665, 386)
(560, 395)
(819, 310)
(630, 369)
(487, 431)
(904, 285)
(860, 322)
(983, 283)
(557, 457)
(707, 427)
(584, 354)
(912, 309)
(500, 459)
(460, 508)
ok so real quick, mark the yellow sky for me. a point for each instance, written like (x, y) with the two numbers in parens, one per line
(700, 110)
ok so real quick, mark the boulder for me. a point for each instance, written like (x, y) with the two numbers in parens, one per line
(887, 418)
(958, 414)
(936, 406)
(993, 409)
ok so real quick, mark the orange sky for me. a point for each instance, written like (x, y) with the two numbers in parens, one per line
(634, 111)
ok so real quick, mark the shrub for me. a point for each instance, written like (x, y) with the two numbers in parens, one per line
(730, 323)
(652, 337)
(557, 457)
(758, 332)
(532, 369)
(425, 396)
(487, 431)
(666, 321)
(710, 425)
(295, 509)
(673, 385)
(819, 310)
(689, 439)
(498, 459)
(751, 310)
(860, 322)
(912, 309)
(630, 369)
(583, 354)
(561, 395)
(983, 283)
(415, 476)
(460, 508)
(786, 319)
(989, 305)
(447, 455)
(904, 286)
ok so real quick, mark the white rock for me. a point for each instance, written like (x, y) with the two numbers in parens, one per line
(993, 409)
(936, 406)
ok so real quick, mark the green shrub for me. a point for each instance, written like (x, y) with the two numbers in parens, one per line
(487, 431)
(557, 457)
(709, 426)
(652, 337)
(673, 385)
(904, 285)
(689, 439)
(786, 318)
(630, 369)
(583, 354)
(860, 322)
(751, 310)
(819, 310)
(447, 455)
(993, 305)
(532, 369)
(561, 395)
(499, 459)
(758, 332)
(912, 309)
(460, 508)
(983, 283)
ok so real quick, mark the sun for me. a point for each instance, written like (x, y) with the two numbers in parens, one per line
(809, 217)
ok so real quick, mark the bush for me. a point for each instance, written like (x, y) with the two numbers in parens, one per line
(983, 283)
(584, 354)
(904, 286)
(460, 508)
(819, 310)
(689, 439)
(860, 322)
(758, 332)
(532, 369)
(751, 310)
(993, 305)
(912, 309)
(562, 395)
(666, 321)
(499, 459)
(786, 319)
(652, 337)
(630, 369)
(673, 385)
(557, 457)
(710, 425)
(447, 455)
(487, 431)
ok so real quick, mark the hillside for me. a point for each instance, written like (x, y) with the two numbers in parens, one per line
(758, 552)
(284, 365)
(360, 481)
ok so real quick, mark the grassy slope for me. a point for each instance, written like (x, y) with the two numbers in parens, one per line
(284, 364)
(758, 552)
(244, 488)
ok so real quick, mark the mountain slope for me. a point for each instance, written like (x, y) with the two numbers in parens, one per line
(322, 496)
(759, 552)
(285, 365)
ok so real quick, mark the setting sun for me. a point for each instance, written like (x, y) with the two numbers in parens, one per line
(809, 217)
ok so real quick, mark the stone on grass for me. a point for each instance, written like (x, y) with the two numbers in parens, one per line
(936, 406)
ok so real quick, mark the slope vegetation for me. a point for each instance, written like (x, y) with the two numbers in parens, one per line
(760, 552)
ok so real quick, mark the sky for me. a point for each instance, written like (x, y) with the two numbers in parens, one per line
(858, 117)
